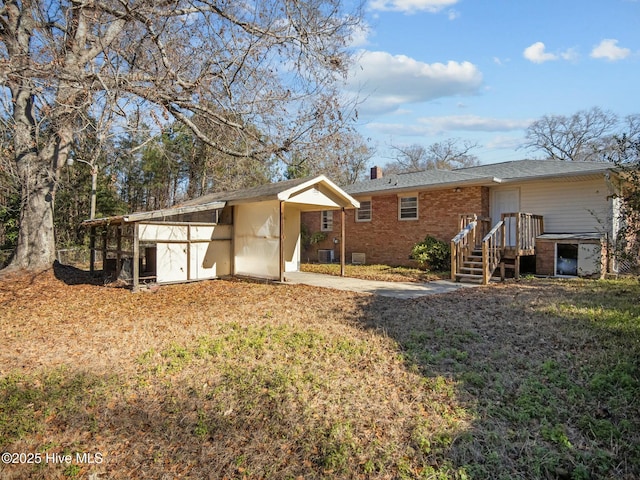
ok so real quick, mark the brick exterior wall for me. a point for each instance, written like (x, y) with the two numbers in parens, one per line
(386, 239)
(545, 253)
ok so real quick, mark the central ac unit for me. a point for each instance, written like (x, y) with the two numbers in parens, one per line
(325, 256)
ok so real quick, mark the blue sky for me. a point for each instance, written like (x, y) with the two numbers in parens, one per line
(429, 70)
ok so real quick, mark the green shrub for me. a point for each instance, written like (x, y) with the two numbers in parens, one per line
(432, 254)
(308, 239)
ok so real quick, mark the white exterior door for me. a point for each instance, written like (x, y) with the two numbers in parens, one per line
(171, 262)
(506, 201)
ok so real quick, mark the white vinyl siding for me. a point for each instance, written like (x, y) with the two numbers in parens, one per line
(408, 208)
(572, 206)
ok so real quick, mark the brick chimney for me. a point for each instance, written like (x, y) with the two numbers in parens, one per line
(376, 172)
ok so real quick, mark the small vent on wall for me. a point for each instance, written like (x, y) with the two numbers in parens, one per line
(358, 258)
(325, 256)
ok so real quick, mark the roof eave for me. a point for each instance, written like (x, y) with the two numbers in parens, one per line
(152, 215)
(171, 212)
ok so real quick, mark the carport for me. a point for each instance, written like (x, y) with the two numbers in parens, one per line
(253, 232)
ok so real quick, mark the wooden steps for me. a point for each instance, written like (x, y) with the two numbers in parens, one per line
(471, 268)
(477, 254)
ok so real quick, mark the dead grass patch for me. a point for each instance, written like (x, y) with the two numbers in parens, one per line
(233, 379)
(382, 273)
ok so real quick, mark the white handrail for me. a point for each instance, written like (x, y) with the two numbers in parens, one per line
(464, 232)
(493, 230)
(458, 243)
(492, 246)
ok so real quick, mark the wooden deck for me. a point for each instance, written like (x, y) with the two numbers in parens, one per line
(476, 252)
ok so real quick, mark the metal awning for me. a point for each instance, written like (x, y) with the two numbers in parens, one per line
(153, 215)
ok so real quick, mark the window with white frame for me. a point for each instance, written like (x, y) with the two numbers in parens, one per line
(408, 208)
(326, 223)
(363, 214)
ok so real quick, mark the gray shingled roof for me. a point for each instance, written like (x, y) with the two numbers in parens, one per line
(491, 174)
(407, 181)
(220, 199)
(261, 191)
(525, 169)
(278, 190)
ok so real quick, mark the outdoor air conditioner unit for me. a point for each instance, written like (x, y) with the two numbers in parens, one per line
(325, 256)
(358, 258)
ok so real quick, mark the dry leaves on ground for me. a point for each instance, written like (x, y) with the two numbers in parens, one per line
(239, 379)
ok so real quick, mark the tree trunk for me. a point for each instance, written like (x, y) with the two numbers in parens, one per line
(38, 165)
(38, 170)
(36, 243)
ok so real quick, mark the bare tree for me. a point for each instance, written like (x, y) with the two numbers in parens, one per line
(446, 155)
(211, 170)
(584, 136)
(408, 159)
(274, 65)
(451, 153)
(346, 159)
(9, 190)
(622, 147)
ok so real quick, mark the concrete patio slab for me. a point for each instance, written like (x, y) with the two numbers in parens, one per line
(374, 287)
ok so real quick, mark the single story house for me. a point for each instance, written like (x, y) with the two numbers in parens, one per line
(253, 232)
(563, 215)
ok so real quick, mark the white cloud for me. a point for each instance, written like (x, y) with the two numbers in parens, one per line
(473, 123)
(389, 81)
(504, 142)
(429, 126)
(412, 6)
(360, 35)
(609, 50)
(453, 14)
(536, 53)
(571, 55)
(399, 129)
(501, 61)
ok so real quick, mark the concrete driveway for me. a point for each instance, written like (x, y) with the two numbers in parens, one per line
(386, 289)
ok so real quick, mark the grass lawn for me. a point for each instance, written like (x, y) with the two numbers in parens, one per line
(242, 380)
